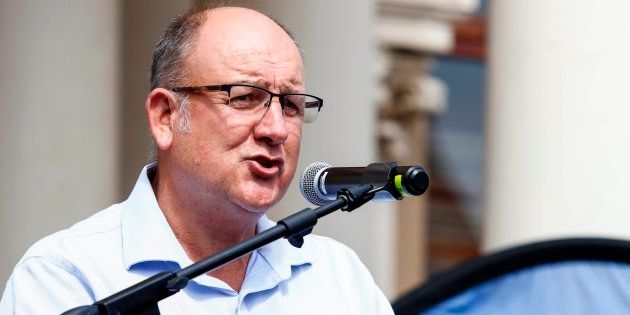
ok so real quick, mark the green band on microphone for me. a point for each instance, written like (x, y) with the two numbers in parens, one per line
(399, 186)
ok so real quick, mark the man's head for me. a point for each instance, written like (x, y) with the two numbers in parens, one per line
(222, 156)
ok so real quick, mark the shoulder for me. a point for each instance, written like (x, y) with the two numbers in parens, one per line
(85, 236)
(316, 243)
(326, 251)
(337, 268)
(60, 263)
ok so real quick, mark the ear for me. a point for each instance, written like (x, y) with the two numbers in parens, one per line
(160, 109)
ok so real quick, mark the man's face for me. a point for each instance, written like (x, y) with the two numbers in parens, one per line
(228, 157)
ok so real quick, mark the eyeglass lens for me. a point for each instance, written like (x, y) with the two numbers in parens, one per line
(295, 107)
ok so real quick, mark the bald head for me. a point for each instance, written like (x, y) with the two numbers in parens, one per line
(242, 24)
(233, 24)
(242, 41)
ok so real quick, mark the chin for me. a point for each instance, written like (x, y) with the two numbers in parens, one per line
(257, 206)
(258, 195)
(258, 200)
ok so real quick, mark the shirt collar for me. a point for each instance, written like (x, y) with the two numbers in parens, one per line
(147, 237)
(281, 255)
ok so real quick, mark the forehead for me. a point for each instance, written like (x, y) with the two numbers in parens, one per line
(244, 46)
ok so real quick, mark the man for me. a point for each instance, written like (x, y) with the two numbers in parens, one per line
(226, 111)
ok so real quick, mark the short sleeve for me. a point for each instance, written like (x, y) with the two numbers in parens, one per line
(39, 286)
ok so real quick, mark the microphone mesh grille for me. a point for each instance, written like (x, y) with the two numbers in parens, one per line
(308, 183)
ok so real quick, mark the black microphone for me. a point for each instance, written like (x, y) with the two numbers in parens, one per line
(320, 182)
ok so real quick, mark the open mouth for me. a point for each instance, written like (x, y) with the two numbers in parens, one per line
(268, 163)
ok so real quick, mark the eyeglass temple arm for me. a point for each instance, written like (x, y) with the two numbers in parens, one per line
(225, 88)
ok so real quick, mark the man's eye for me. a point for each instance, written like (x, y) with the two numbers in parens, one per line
(242, 101)
(292, 109)
(241, 98)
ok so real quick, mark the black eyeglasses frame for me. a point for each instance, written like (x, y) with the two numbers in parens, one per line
(228, 87)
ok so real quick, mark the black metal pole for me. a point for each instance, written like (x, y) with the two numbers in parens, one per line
(282, 229)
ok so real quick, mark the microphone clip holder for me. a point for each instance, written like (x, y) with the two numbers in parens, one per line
(381, 177)
(356, 196)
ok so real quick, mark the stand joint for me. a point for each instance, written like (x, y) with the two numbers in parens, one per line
(299, 225)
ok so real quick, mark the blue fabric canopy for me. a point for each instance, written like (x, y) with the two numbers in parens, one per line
(576, 287)
(564, 276)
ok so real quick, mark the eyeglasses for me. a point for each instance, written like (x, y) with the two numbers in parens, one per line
(252, 100)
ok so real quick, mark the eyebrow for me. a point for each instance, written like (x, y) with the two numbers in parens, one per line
(284, 88)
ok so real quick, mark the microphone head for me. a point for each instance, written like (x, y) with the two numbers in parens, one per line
(309, 180)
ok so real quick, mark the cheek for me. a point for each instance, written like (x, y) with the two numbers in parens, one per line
(219, 137)
(296, 138)
(233, 133)
(292, 149)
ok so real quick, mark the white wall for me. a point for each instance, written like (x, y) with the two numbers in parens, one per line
(557, 124)
(58, 117)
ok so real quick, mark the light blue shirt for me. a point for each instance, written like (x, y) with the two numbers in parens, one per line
(130, 241)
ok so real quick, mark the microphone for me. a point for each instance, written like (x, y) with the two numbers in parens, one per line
(320, 182)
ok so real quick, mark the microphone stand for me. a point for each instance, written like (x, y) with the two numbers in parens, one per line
(142, 298)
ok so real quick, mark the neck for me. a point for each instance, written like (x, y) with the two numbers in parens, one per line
(205, 227)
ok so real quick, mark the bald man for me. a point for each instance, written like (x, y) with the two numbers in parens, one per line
(226, 110)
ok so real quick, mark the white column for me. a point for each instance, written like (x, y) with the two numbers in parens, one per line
(558, 131)
(58, 111)
(143, 22)
(339, 55)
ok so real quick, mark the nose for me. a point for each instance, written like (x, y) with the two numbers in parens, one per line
(272, 128)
